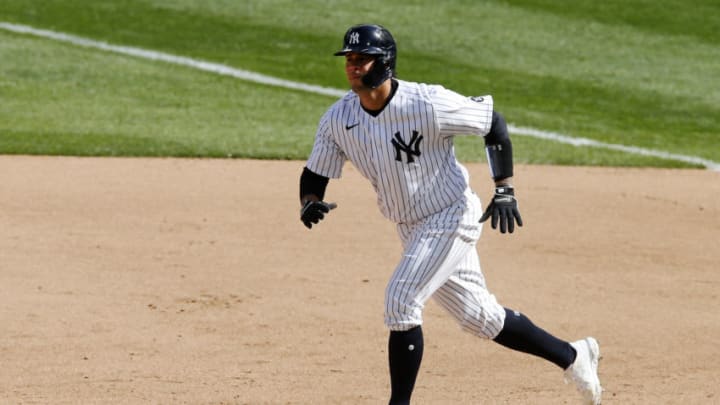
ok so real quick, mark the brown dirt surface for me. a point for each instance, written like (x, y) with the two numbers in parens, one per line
(193, 282)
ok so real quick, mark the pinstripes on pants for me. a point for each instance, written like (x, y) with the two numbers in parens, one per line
(440, 260)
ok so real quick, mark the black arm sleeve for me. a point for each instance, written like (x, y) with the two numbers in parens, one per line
(499, 148)
(312, 183)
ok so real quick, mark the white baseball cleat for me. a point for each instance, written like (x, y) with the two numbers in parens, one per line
(584, 371)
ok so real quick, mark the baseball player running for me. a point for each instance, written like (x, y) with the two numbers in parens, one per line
(399, 135)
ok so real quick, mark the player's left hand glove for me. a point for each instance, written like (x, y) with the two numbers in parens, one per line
(504, 207)
(313, 211)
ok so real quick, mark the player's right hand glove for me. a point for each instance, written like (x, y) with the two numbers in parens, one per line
(314, 211)
(504, 207)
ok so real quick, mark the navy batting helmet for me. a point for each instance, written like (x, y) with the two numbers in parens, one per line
(371, 39)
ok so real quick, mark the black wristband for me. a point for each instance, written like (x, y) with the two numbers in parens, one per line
(312, 183)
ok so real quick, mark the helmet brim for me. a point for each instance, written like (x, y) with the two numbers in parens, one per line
(364, 51)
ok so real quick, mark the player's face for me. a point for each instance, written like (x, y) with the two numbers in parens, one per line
(357, 65)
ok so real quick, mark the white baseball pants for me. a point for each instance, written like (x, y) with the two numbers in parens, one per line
(440, 260)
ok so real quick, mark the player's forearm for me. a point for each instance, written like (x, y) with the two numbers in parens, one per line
(506, 182)
(312, 186)
(499, 150)
(308, 197)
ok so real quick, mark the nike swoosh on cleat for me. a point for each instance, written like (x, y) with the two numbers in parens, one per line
(349, 127)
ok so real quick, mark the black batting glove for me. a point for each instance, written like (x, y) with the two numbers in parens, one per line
(314, 211)
(504, 207)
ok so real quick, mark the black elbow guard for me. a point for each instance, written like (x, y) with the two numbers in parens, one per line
(499, 149)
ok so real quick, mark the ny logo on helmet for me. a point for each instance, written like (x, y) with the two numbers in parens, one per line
(354, 38)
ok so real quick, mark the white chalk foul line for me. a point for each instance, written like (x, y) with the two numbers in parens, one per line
(536, 133)
(178, 60)
(273, 81)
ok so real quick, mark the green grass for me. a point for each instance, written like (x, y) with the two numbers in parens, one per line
(93, 103)
(633, 72)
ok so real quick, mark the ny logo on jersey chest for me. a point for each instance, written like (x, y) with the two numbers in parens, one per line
(411, 148)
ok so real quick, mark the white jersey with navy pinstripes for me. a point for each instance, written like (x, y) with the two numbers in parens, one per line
(406, 151)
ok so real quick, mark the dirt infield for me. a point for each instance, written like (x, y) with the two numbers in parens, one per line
(193, 281)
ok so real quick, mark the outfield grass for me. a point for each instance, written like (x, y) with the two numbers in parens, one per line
(92, 103)
(634, 72)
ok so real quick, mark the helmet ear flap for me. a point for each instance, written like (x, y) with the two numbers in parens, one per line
(381, 71)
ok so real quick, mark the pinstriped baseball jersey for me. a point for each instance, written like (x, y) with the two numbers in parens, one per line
(406, 151)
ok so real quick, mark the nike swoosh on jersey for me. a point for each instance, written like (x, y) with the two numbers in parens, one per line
(349, 127)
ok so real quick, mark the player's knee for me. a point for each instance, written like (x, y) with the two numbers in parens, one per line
(401, 315)
(397, 319)
(472, 327)
(484, 324)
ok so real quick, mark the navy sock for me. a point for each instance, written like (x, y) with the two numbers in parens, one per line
(520, 334)
(405, 351)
